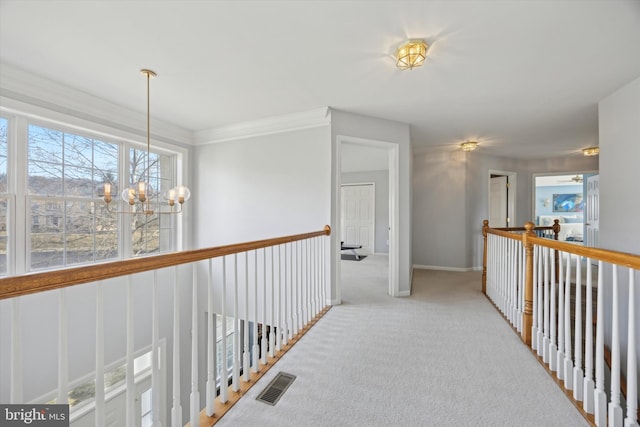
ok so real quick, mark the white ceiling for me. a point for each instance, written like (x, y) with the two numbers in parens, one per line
(522, 77)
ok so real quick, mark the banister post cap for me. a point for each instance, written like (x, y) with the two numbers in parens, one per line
(327, 229)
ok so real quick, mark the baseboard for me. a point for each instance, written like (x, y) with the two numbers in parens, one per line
(335, 302)
(404, 293)
(437, 267)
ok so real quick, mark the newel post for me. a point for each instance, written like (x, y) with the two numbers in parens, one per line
(485, 226)
(527, 315)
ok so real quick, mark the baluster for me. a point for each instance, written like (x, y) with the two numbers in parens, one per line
(578, 375)
(632, 367)
(211, 345)
(176, 409)
(256, 365)
(245, 354)
(588, 386)
(265, 337)
(235, 381)
(224, 369)
(568, 363)
(195, 394)
(545, 343)
(63, 349)
(316, 264)
(16, 353)
(615, 410)
(534, 329)
(99, 396)
(519, 281)
(284, 309)
(600, 396)
(560, 320)
(514, 283)
(279, 292)
(130, 379)
(553, 348)
(155, 369)
(540, 284)
(300, 285)
(272, 334)
(290, 312)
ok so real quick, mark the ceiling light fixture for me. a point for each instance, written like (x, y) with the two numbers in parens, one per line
(139, 196)
(591, 151)
(469, 146)
(411, 54)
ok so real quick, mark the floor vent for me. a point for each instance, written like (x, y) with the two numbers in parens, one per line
(276, 388)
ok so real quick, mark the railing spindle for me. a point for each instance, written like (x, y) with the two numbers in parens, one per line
(615, 409)
(568, 362)
(99, 396)
(155, 369)
(265, 334)
(195, 394)
(553, 346)
(588, 386)
(63, 349)
(600, 396)
(578, 375)
(224, 369)
(255, 363)
(176, 408)
(632, 367)
(235, 381)
(547, 303)
(279, 304)
(130, 379)
(535, 330)
(245, 345)
(272, 333)
(211, 344)
(285, 296)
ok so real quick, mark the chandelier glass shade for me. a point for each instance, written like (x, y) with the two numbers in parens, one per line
(469, 146)
(591, 151)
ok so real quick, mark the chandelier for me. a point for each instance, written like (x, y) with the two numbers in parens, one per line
(469, 146)
(411, 54)
(141, 193)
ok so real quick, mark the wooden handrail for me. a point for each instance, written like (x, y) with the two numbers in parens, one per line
(45, 281)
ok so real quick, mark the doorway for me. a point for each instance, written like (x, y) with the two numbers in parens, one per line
(387, 236)
(502, 199)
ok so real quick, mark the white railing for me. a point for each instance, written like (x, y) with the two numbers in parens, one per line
(277, 285)
(559, 327)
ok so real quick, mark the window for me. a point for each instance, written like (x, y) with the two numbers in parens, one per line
(54, 185)
(3, 195)
(69, 224)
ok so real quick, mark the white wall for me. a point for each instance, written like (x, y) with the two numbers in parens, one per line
(262, 187)
(381, 181)
(619, 129)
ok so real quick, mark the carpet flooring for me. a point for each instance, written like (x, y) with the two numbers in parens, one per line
(442, 357)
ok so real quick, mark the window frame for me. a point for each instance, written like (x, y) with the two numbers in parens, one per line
(18, 214)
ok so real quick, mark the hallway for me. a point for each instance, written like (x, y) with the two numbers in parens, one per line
(443, 356)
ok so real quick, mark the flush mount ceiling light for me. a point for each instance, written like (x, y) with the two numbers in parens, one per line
(140, 195)
(411, 54)
(469, 146)
(591, 151)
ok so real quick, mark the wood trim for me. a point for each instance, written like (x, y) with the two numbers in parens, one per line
(503, 233)
(30, 283)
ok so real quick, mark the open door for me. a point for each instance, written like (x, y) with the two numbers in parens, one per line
(498, 201)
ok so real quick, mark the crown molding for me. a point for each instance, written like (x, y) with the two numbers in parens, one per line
(286, 123)
(31, 89)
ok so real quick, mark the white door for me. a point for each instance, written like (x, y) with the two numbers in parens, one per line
(498, 202)
(592, 222)
(358, 211)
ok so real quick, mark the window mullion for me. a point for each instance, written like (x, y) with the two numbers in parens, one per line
(18, 169)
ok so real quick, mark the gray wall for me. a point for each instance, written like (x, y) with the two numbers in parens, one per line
(381, 181)
(619, 128)
(450, 195)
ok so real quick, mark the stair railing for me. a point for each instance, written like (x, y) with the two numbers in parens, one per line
(275, 285)
(545, 289)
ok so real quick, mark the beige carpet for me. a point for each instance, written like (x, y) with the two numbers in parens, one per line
(441, 357)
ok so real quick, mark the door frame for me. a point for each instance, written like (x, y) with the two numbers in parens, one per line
(394, 212)
(512, 179)
(372, 239)
(539, 174)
